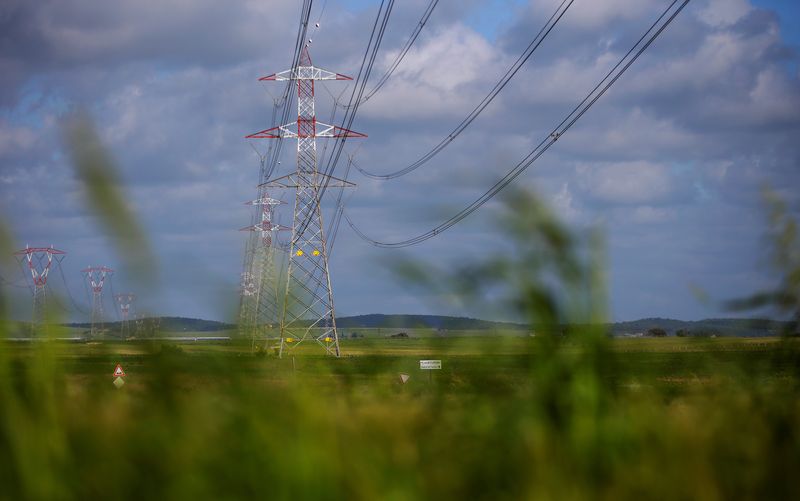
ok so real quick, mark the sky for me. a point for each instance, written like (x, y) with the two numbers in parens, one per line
(670, 164)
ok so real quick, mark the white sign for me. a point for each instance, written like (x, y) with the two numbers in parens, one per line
(430, 364)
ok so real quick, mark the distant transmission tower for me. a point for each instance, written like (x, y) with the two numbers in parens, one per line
(125, 300)
(308, 310)
(96, 277)
(139, 322)
(39, 261)
(260, 307)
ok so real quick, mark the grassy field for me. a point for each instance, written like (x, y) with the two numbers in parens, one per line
(467, 362)
(505, 418)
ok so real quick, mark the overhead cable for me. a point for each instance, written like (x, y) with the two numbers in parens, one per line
(619, 69)
(402, 54)
(498, 87)
(367, 62)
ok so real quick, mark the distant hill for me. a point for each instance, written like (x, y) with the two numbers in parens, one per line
(714, 326)
(743, 327)
(423, 321)
(169, 324)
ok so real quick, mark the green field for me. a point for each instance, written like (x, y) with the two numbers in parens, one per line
(469, 363)
(505, 418)
(464, 358)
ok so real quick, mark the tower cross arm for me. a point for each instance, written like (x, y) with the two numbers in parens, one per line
(273, 133)
(304, 73)
(290, 131)
(97, 269)
(32, 250)
(325, 130)
(265, 226)
(265, 201)
(295, 181)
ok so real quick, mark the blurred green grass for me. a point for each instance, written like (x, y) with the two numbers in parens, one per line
(709, 420)
(568, 414)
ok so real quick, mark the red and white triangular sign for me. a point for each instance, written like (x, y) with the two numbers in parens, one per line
(118, 372)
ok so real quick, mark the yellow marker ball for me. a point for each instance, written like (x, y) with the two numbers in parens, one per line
(289, 340)
(299, 252)
(328, 339)
(316, 252)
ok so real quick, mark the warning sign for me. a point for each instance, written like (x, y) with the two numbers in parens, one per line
(118, 372)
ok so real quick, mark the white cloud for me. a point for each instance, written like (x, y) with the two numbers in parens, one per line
(775, 99)
(724, 12)
(596, 13)
(626, 183)
(648, 214)
(438, 76)
(88, 32)
(563, 203)
(15, 138)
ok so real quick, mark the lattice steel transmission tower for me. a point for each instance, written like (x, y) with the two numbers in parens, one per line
(260, 309)
(95, 277)
(308, 311)
(124, 301)
(39, 261)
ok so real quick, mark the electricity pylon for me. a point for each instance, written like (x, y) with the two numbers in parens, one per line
(260, 302)
(308, 311)
(125, 300)
(96, 277)
(39, 261)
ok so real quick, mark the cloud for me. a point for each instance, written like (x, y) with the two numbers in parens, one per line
(594, 14)
(438, 77)
(563, 202)
(77, 32)
(14, 139)
(648, 214)
(627, 183)
(724, 12)
(671, 159)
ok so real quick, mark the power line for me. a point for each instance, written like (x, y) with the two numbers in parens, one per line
(8, 283)
(376, 36)
(333, 228)
(402, 54)
(521, 60)
(69, 293)
(321, 12)
(336, 220)
(545, 144)
(25, 276)
(364, 72)
(55, 299)
(286, 99)
(336, 100)
(498, 87)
